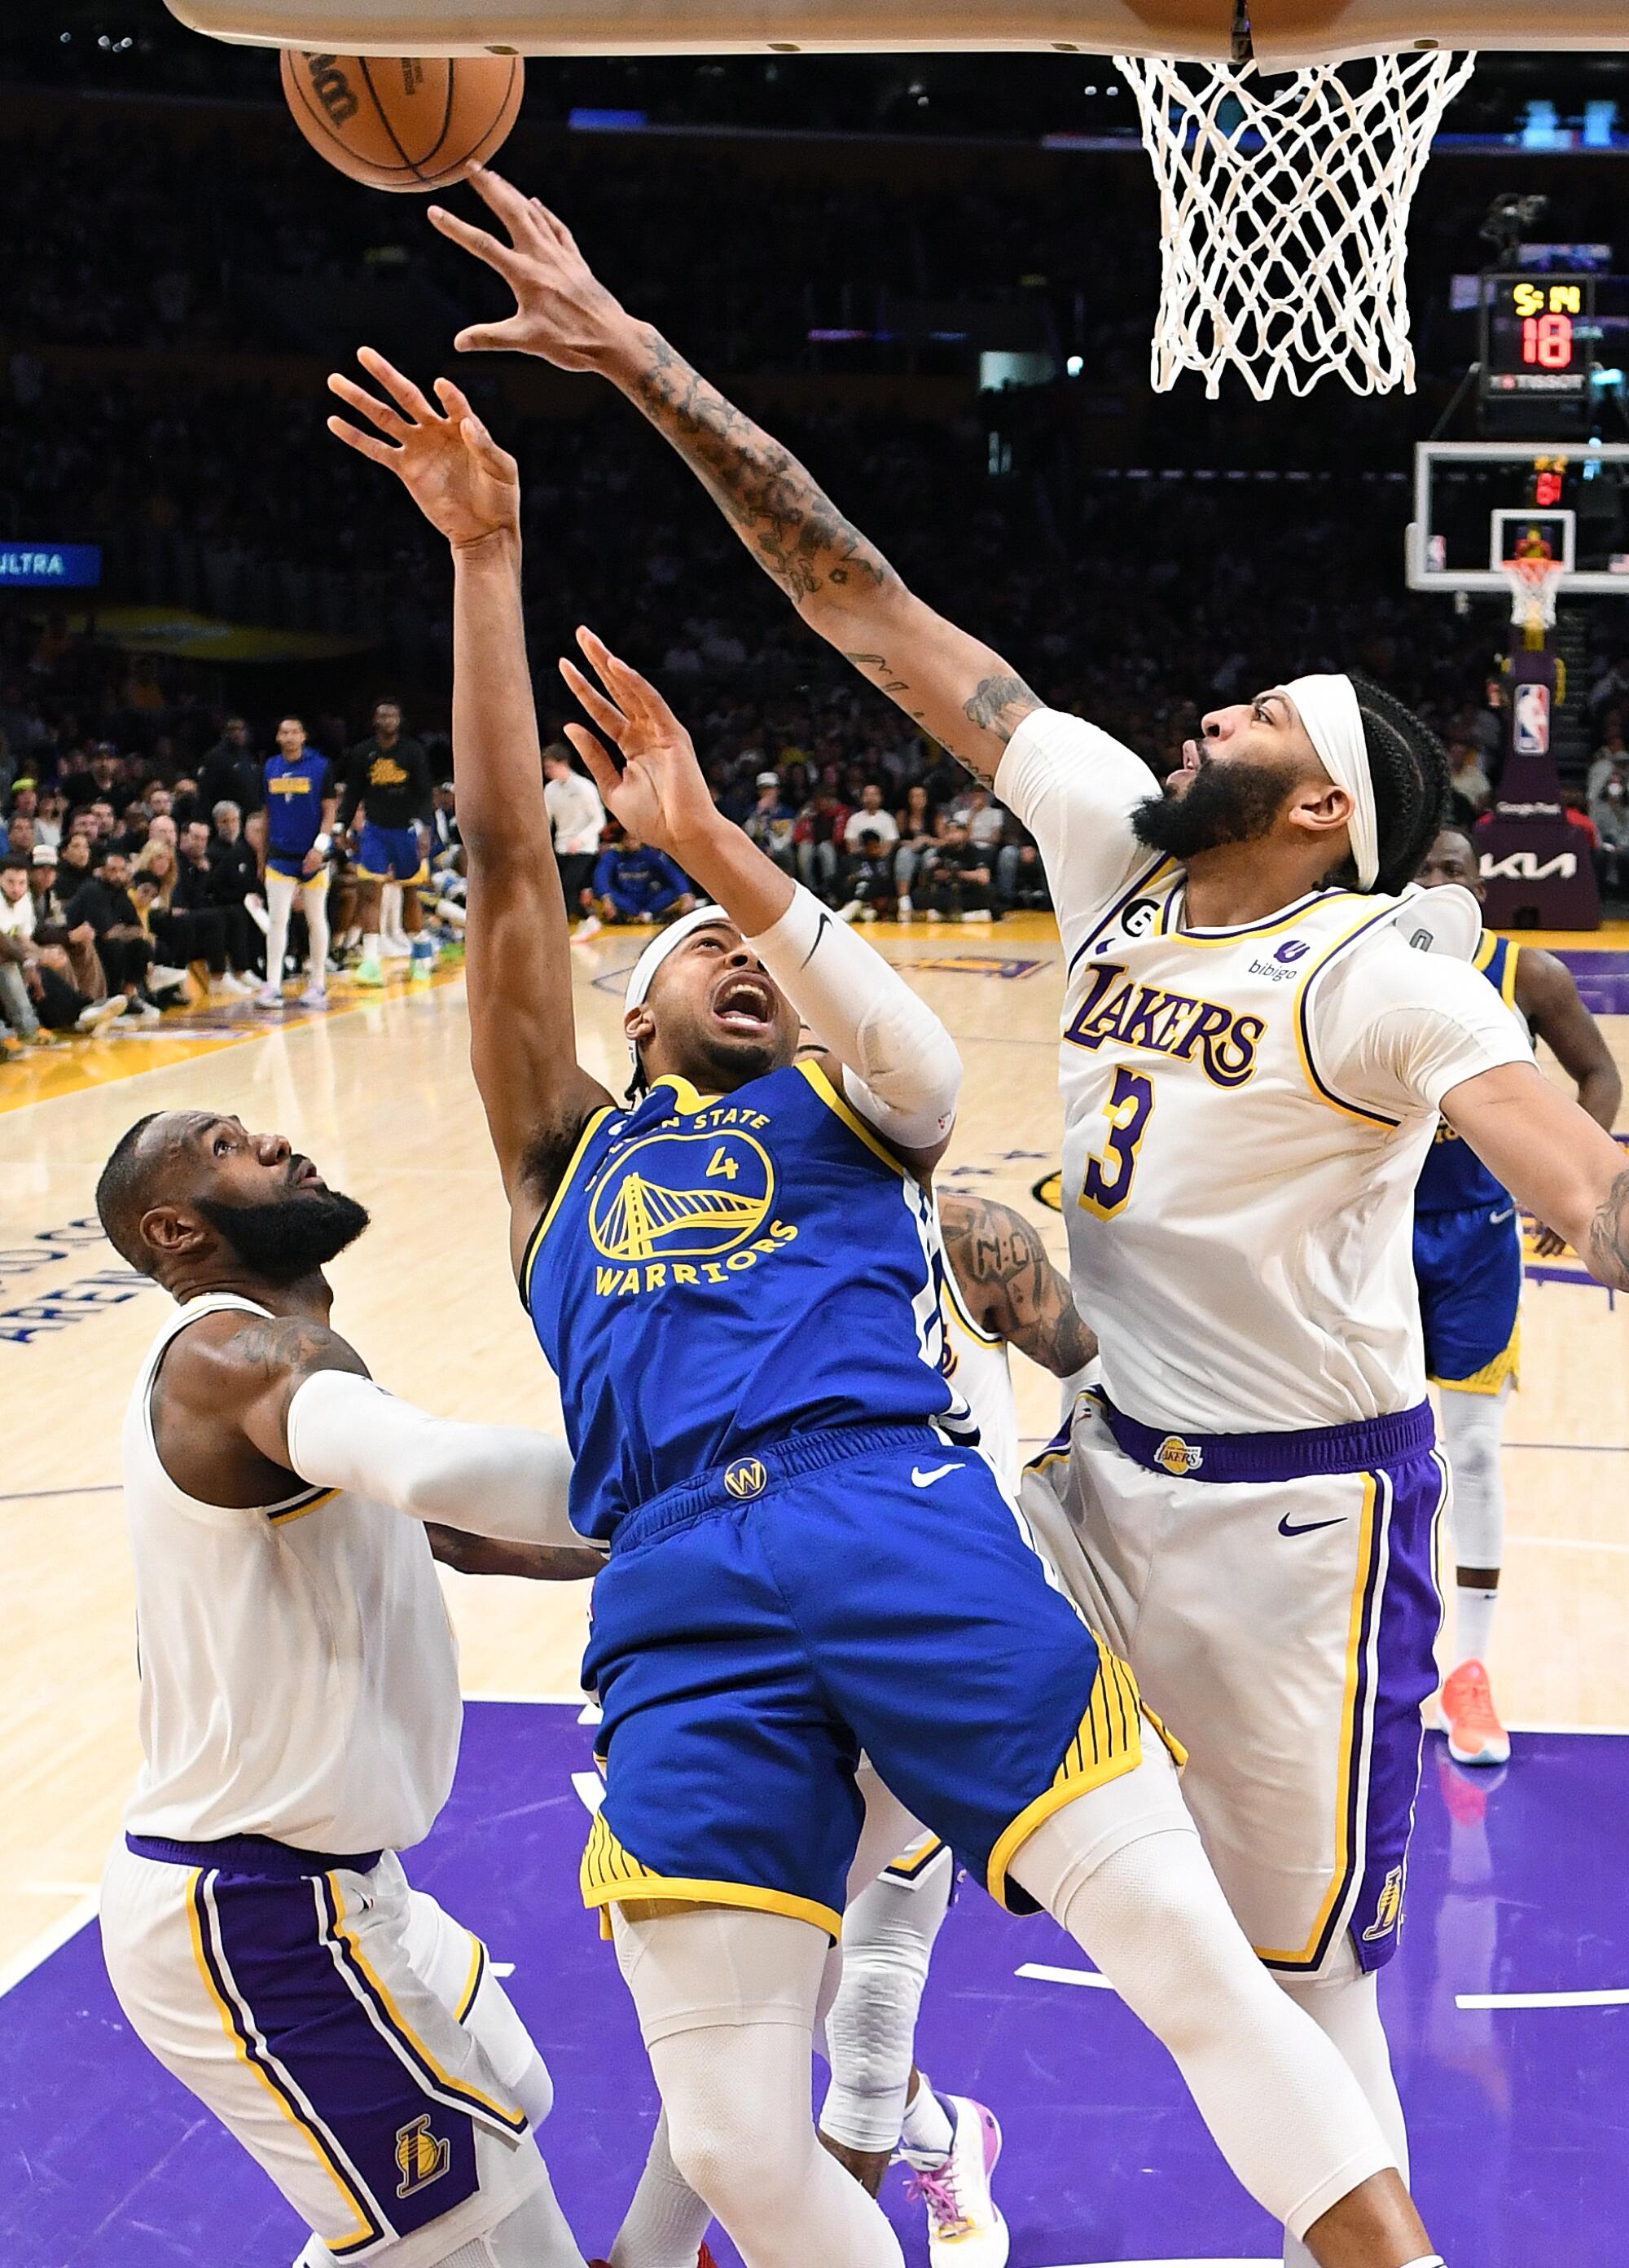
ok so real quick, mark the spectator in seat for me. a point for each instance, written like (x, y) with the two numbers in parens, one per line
(871, 819)
(122, 944)
(199, 893)
(869, 889)
(229, 771)
(916, 837)
(1610, 811)
(236, 869)
(19, 1015)
(48, 818)
(19, 835)
(817, 836)
(634, 883)
(955, 886)
(578, 819)
(77, 946)
(1020, 878)
(37, 987)
(770, 822)
(1609, 757)
(1469, 789)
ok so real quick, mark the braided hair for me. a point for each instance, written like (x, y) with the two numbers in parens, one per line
(1409, 767)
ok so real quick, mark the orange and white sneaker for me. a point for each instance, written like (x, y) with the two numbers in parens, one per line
(1475, 1735)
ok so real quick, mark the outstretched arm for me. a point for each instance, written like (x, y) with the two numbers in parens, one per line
(1553, 1158)
(522, 1037)
(953, 685)
(1549, 999)
(1009, 1285)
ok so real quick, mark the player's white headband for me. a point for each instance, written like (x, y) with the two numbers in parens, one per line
(643, 973)
(1328, 706)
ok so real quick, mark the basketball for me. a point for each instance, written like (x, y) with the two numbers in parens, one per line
(403, 122)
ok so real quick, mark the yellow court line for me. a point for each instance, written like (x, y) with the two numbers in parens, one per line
(52, 1072)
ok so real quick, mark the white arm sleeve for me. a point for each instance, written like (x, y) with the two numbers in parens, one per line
(1074, 788)
(346, 1432)
(1394, 1029)
(900, 1068)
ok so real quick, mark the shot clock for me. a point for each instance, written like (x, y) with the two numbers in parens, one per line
(1540, 336)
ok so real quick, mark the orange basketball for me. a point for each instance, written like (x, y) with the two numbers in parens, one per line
(403, 122)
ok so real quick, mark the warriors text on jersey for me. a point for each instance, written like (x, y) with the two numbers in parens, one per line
(1453, 1178)
(717, 1272)
(298, 1673)
(1246, 1112)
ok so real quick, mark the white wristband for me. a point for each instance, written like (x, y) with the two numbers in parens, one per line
(323, 845)
(901, 1071)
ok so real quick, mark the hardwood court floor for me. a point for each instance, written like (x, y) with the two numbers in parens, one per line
(377, 1090)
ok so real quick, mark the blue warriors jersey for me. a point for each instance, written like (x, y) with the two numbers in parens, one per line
(717, 1272)
(1453, 1178)
(294, 800)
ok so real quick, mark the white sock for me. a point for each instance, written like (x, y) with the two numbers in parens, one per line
(316, 904)
(1345, 2005)
(371, 946)
(389, 910)
(926, 2133)
(280, 891)
(1474, 1622)
(666, 2221)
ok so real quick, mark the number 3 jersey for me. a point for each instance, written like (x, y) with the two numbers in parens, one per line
(1245, 1112)
(718, 1272)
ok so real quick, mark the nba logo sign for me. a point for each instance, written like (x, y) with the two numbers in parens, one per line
(1530, 720)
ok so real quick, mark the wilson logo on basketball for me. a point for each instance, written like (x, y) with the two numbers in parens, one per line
(332, 90)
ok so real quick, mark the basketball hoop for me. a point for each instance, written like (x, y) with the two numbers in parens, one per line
(1284, 205)
(1534, 585)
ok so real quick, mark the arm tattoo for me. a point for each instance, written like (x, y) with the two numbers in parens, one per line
(1609, 1236)
(1011, 1284)
(1000, 705)
(793, 528)
(283, 1351)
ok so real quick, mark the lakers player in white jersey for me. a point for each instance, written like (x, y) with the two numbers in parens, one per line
(1252, 1067)
(299, 1723)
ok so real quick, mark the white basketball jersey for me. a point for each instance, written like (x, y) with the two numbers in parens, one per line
(1245, 1113)
(299, 1671)
(975, 1361)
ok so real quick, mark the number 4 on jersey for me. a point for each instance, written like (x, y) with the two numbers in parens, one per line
(721, 1166)
(1107, 1182)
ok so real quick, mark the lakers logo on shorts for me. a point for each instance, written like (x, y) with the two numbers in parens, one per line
(421, 2157)
(1178, 1456)
(1389, 1908)
(746, 1478)
(682, 1197)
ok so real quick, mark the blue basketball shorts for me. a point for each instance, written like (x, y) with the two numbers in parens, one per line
(860, 1589)
(1468, 1266)
(335, 2022)
(389, 854)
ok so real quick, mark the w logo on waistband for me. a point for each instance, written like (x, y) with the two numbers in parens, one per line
(746, 1478)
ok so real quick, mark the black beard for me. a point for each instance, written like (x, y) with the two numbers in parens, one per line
(1226, 803)
(287, 1237)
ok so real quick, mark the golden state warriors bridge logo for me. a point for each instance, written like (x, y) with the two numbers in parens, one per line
(685, 1208)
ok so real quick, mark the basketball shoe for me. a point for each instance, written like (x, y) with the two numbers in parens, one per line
(704, 2259)
(965, 2228)
(1475, 1735)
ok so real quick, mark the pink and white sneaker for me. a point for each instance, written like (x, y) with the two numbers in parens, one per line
(965, 2225)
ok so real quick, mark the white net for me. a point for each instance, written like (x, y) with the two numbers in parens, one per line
(1284, 209)
(1534, 586)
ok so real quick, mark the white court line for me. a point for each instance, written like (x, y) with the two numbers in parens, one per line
(1043, 1973)
(1609, 1732)
(50, 1940)
(1188, 2261)
(1564, 1543)
(546, 1700)
(1617, 1998)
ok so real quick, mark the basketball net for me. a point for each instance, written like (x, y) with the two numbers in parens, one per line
(1533, 583)
(1284, 211)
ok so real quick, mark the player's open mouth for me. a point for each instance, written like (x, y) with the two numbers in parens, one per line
(745, 1004)
(304, 1175)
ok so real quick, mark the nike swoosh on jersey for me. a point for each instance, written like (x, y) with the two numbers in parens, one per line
(919, 1479)
(1306, 1526)
(1494, 1218)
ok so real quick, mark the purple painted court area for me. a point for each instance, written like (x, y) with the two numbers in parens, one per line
(1520, 2116)
(1603, 980)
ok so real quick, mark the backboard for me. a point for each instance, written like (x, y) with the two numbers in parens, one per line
(1479, 501)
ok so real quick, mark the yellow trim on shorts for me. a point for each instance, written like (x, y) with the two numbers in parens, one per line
(610, 1876)
(512, 2120)
(472, 1982)
(1492, 1376)
(1107, 1744)
(366, 2233)
(851, 1119)
(911, 1862)
(402, 881)
(1340, 1881)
